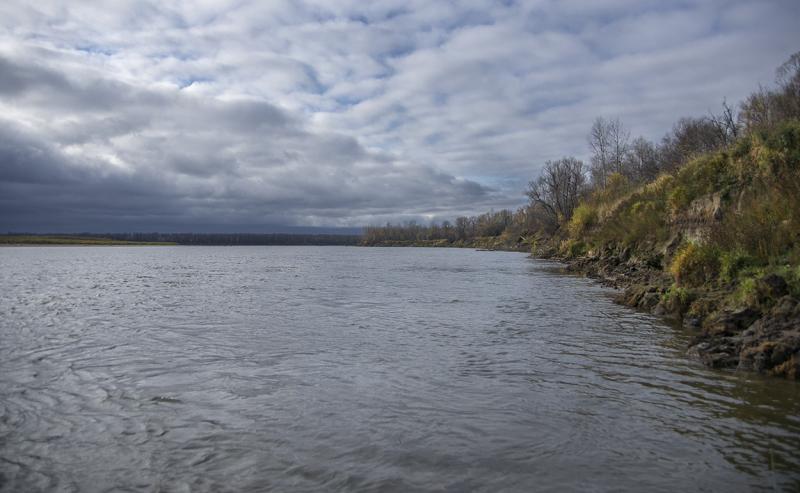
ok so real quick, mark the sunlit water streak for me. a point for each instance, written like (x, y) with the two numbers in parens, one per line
(306, 369)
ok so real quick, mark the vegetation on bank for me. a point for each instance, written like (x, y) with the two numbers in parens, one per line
(503, 230)
(707, 222)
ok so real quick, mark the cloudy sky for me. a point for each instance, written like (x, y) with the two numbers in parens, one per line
(180, 115)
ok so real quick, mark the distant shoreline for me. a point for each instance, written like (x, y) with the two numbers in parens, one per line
(73, 240)
(45, 245)
(177, 239)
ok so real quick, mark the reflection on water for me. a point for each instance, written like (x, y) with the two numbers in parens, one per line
(226, 369)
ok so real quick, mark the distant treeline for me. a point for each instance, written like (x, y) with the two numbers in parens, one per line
(203, 238)
(464, 229)
(240, 239)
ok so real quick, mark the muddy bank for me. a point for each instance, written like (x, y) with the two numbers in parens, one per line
(761, 334)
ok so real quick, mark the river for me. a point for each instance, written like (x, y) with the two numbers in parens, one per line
(361, 369)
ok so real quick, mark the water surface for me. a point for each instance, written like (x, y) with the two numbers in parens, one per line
(335, 368)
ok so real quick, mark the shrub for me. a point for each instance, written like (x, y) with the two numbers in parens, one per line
(703, 175)
(583, 218)
(777, 152)
(695, 265)
(679, 198)
(733, 262)
(573, 248)
(747, 292)
(677, 299)
(659, 187)
(644, 221)
(765, 226)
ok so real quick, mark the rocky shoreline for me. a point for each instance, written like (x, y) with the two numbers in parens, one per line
(762, 335)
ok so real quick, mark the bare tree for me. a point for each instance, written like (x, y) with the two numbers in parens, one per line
(609, 141)
(642, 160)
(765, 108)
(688, 138)
(559, 187)
(726, 123)
(600, 142)
(462, 227)
(757, 111)
(788, 79)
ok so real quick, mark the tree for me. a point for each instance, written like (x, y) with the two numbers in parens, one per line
(766, 108)
(462, 228)
(558, 188)
(689, 137)
(610, 144)
(727, 123)
(788, 79)
(642, 160)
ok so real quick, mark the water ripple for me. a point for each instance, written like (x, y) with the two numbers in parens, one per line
(308, 369)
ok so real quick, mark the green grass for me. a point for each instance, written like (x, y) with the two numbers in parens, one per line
(696, 265)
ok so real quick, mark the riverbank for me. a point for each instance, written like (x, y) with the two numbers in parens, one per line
(702, 227)
(759, 334)
(749, 321)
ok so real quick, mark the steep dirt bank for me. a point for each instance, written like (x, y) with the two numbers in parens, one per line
(762, 335)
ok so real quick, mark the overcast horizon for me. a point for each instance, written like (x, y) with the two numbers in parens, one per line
(240, 116)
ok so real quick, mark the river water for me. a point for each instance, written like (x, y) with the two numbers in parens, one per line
(358, 369)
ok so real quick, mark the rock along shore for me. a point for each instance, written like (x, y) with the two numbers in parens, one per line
(761, 336)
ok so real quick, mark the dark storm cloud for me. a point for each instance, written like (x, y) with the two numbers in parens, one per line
(191, 161)
(244, 115)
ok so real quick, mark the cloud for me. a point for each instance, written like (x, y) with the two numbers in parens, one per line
(240, 115)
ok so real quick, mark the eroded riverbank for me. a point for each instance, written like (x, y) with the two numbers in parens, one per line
(760, 335)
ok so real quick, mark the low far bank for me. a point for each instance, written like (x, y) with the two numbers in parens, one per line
(38, 240)
(180, 239)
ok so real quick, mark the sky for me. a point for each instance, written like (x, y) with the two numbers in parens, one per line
(240, 116)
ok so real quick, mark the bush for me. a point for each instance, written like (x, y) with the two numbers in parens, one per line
(644, 221)
(765, 226)
(695, 265)
(573, 248)
(777, 152)
(638, 219)
(747, 292)
(677, 299)
(659, 187)
(616, 187)
(583, 218)
(679, 198)
(734, 262)
(701, 176)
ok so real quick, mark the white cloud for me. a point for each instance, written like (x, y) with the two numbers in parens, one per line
(343, 113)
